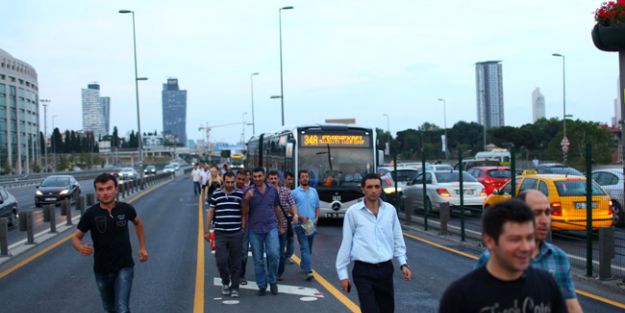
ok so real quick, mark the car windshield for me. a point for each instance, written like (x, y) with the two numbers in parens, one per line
(55, 182)
(336, 166)
(407, 175)
(451, 177)
(127, 169)
(577, 188)
(499, 173)
(559, 170)
(170, 166)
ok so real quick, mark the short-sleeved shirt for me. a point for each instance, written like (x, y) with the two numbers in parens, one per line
(262, 214)
(551, 259)
(479, 291)
(110, 236)
(307, 201)
(227, 208)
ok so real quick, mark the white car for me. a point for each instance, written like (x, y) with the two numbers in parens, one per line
(128, 173)
(169, 168)
(443, 187)
(611, 180)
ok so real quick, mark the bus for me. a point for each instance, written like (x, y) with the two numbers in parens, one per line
(336, 157)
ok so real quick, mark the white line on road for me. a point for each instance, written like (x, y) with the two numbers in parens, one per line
(285, 289)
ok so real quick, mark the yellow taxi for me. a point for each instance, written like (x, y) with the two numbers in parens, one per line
(567, 195)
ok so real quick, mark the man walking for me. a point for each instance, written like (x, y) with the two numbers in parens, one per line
(289, 184)
(113, 264)
(242, 184)
(507, 283)
(261, 206)
(288, 209)
(225, 207)
(307, 205)
(372, 236)
(196, 176)
(547, 257)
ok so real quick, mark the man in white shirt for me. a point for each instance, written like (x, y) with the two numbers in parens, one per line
(196, 176)
(372, 236)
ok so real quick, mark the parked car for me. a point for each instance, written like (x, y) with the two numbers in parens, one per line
(128, 173)
(8, 206)
(149, 170)
(557, 168)
(611, 180)
(388, 190)
(567, 196)
(55, 189)
(443, 187)
(492, 177)
(442, 168)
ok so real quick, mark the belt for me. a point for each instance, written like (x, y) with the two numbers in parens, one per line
(381, 264)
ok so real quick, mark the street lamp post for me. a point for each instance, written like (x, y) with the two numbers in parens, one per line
(243, 127)
(445, 126)
(45, 102)
(565, 140)
(388, 124)
(252, 85)
(54, 145)
(281, 78)
(137, 79)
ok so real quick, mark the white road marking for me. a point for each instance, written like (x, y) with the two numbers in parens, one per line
(284, 289)
(308, 299)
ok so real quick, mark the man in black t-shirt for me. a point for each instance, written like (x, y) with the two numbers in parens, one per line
(506, 283)
(113, 264)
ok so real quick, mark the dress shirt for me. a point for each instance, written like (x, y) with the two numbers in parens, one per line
(370, 239)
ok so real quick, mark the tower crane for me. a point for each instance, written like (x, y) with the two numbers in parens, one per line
(207, 129)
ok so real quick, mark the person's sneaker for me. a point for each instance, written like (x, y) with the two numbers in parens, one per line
(274, 288)
(261, 292)
(243, 282)
(225, 290)
(234, 293)
(309, 276)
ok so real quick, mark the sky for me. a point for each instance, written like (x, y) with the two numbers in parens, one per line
(341, 59)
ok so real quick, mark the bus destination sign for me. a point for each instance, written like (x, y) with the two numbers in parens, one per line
(315, 140)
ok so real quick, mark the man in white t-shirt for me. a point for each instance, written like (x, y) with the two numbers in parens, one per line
(196, 177)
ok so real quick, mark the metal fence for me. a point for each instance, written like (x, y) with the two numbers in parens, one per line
(587, 215)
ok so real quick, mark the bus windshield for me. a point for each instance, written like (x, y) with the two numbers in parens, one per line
(335, 166)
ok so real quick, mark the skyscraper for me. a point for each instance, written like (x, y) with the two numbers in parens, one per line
(105, 102)
(538, 105)
(93, 111)
(174, 111)
(489, 85)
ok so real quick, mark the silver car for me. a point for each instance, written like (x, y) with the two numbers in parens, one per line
(444, 187)
(611, 180)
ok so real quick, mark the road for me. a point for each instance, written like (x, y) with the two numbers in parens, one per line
(60, 280)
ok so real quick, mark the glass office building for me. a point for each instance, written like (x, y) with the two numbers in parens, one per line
(489, 83)
(174, 111)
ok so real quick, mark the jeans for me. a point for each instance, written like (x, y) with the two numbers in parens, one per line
(196, 188)
(115, 290)
(305, 245)
(245, 249)
(289, 245)
(265, 243)
(283, 240)
(228, 256)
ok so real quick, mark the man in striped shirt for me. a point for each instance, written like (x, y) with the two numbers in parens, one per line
(225, 209)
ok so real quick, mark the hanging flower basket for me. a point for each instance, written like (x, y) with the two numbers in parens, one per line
(609, 38)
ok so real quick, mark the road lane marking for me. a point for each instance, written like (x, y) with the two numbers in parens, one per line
(198, 303)
(473, 257)
(43, 251)
(331, 289)
(285, 289)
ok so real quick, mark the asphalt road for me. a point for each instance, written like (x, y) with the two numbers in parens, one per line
(62, 281)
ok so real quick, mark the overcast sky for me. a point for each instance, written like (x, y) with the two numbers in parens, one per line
(342, 59)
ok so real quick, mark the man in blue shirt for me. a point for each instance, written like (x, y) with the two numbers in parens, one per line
(546, 256)
(372, 236)
(307, 207)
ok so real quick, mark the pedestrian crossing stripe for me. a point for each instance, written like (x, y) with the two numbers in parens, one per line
(283, 289)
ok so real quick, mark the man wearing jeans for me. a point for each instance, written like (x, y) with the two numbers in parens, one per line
(307, 202)
(262, 214)
(287, 206)
(113, 264)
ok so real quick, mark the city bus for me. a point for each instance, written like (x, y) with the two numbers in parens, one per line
(336, 157)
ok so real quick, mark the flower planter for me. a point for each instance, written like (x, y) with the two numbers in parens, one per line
(609, 38)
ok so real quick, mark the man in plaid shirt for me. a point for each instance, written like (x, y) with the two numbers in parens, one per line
(547, 257)
(287, 204)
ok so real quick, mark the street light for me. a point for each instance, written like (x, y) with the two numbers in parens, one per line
(45, 102)
(243, 127)
(53, 145)
(445, 126)
(565, 140)
(281, 78)
(252, 85)
(388, 124)
(137, 79)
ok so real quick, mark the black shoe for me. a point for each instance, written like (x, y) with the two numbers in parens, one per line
(261, 292)
(274, 288)
(309, 276)
(243, 282)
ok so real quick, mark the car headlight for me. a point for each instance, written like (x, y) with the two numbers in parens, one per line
(64, 192)
(39, 193)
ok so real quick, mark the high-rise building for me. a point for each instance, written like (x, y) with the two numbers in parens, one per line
(538, 105)
(489, 85)
(617, 106)
(105, 102)
(19, 115)
(174, 111)
(95, 111)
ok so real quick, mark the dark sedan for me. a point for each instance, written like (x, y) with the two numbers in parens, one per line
(8, 206)
(54, 189)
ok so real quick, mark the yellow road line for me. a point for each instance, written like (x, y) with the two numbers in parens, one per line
(473, 257)
(330, 288)
(54, 245)
(198, 302)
